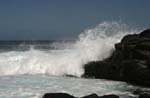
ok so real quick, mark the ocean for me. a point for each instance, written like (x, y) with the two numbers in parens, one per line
(30, 68)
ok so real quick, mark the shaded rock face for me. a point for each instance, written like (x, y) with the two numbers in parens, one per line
(57, 95)
(65, 95)
(129, 62)
(109, 96)
(91, 96)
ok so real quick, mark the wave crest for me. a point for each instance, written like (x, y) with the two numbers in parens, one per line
(92, 45)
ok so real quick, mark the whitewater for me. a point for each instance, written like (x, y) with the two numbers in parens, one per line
(31, 73)
(65, 58)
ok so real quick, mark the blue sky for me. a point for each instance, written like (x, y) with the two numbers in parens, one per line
(65, 19)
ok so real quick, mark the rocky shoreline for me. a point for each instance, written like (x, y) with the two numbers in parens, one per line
(130, 62)
(65, 95)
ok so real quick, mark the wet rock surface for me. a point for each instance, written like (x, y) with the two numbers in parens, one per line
(129, 62)
(65, 95)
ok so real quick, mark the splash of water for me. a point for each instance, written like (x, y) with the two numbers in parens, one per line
(92, 45)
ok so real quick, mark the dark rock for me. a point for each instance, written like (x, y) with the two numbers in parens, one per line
(70, 76)
(136, 72)
(91, 96)
(145, 45)
(65, 95)
(129, 62)
(109, 96)
(101, 69)
(145, 33)
(57, 95)
(144, 96)
(97, 70)
(130, 39)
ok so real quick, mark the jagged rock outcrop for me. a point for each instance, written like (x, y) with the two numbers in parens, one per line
(129, 62)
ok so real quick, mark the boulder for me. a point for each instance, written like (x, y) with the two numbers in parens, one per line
(91, 96)
(57, 95)
(109, 96)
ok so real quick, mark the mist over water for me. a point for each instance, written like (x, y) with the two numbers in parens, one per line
(66, 58)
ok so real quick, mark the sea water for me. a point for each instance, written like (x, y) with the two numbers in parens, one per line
(34, 86)
(28, 69)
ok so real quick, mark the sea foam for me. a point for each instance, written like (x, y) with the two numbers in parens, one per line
(92, 45)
